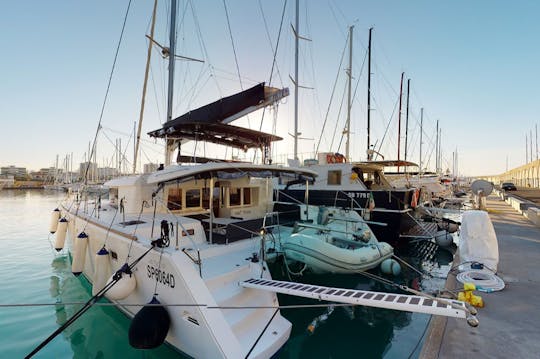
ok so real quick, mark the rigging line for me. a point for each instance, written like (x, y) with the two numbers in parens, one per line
(106, 94)
(110, 226)
(262, 332)
(110, 304)
(203, 46)
(234, 52)
(156, 98)
(116, 148)
(273, 63)
(388, 125)
(331, 99)
(337, 119)
(144, 203)
(274, 51)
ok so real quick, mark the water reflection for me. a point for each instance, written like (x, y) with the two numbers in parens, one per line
(101, 332)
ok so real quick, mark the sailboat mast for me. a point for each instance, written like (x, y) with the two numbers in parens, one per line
(421, 125)
(172, 51)
(349, 73)
(407, 117)
(437, 149)
(369, 155)
(297, 31)
(146, 72)
(399, 117)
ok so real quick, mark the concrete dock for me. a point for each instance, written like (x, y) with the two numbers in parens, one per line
(510, 321)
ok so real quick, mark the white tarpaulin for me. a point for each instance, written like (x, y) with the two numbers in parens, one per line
(478, 241)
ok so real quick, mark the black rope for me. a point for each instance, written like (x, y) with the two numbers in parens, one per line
(260, 335)
(86, 306)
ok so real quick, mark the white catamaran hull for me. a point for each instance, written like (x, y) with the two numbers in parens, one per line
(199, 326)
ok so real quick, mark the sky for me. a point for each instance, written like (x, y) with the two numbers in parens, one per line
(472, 65)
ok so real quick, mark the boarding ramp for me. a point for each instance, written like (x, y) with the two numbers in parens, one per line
(403, 302)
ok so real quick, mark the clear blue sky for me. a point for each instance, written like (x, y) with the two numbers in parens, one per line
(473, 65)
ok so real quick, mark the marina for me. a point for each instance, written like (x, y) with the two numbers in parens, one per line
(211, 206)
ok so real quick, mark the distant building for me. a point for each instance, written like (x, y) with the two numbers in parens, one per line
(16, 172)
(6, 181)
(92, 170)
(150, 167)
(106, 173)
(46, 174)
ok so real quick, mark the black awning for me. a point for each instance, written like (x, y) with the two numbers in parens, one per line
(222, 134)
(216, 112)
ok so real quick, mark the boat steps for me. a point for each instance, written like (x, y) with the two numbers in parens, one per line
(410, 303)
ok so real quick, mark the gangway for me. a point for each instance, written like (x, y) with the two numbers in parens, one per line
(403, 302)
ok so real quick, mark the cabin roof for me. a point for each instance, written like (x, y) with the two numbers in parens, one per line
(382, 164)
(224, 170)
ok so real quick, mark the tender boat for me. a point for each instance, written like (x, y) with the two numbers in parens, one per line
(339, 242)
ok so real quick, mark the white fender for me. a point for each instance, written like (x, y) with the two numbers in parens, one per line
(61, 234)
(124, 287)
(55, 216)
(102, 270)
(79, 253)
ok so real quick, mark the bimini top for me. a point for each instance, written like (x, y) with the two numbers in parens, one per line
(210, 123)
(225, 171)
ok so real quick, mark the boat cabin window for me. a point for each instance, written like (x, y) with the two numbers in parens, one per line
(247, 196)
(242, 196)
(334, 177)
(234, 197)
(193, 198)
(174, 199)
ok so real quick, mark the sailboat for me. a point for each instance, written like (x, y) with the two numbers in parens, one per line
(181, 251)
(358, 185)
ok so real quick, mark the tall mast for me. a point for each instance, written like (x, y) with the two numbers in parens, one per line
(407, 117)
(147, 70)
(530, 140)
(399, 117)
(421, 125)
(297, 31)
(369, 97)
(172, 51)
(536, 129)
(349, 73)
(437, 149)
(526, 149)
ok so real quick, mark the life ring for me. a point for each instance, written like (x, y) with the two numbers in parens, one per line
(414, 200)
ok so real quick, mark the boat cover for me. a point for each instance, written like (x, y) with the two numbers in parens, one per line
(478, 241)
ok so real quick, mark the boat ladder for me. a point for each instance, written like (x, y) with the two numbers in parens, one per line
(409, 303)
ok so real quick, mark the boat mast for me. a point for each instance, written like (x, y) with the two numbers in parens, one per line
(349, 73)
(146, 72)
(369, 154)
(421, 125)
(407, 117)
(399, 117)
(437, 149)
(296, 32)
(172, 51)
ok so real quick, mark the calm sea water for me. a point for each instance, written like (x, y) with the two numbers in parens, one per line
(33, 273)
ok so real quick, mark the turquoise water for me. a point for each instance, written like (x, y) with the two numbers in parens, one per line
(33, 273)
